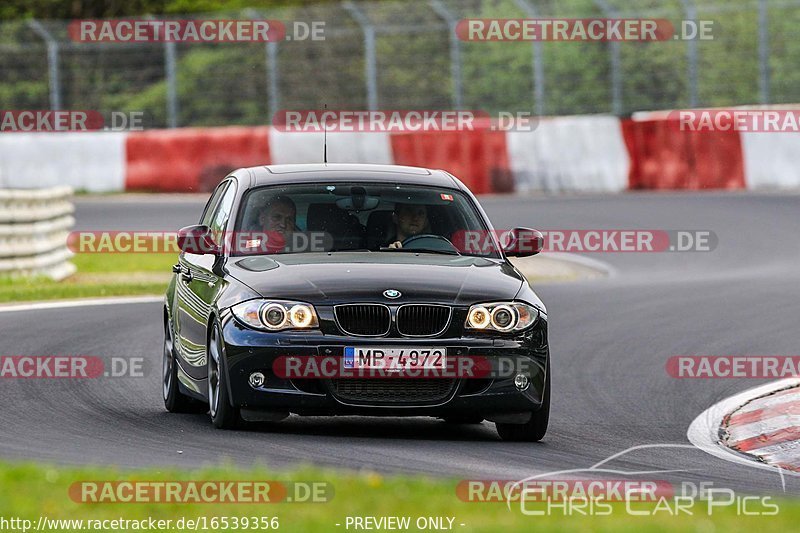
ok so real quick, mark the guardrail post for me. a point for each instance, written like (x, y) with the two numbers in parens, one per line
(172, 83)
(54, 76)
(538, 63)
(616, 61)
(370, 73)
(273, 78)
(691, 54)
(455, 51)
(272, 70)
(763, 52)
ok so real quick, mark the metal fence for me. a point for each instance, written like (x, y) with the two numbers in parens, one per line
(406, 55)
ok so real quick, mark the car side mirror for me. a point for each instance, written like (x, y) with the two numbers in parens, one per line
(522, 242)
(197, 240)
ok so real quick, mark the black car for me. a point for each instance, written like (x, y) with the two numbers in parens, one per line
(381, 276)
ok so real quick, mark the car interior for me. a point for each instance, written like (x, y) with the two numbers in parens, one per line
(356, 222)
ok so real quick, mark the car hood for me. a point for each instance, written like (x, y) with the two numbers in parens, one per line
(363, 276)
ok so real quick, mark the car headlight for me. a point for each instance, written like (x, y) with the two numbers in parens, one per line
(276, 315)
(501, 316)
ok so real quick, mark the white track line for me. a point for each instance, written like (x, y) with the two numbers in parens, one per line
(85, 302)
(704, 430)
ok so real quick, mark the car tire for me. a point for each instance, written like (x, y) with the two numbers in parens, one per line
(535, 428)
(174, 400)
(223, 414)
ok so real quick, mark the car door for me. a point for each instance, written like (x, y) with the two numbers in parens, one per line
(197, 285)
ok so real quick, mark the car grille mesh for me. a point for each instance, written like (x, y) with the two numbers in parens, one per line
(393, 390)
(363, 319)
(413, 320)
(422, 320)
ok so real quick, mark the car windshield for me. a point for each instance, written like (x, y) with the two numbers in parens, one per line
(343, 216)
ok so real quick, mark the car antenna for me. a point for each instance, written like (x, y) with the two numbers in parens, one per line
(325, 139)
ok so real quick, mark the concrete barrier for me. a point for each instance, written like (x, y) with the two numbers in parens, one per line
(343, 147)
(771, 160)
(665, 157)
(34, 225)
(89, 161)
(191, 159)
(582, 153)
(592, 153)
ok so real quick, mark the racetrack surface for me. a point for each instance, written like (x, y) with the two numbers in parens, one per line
(610, 340)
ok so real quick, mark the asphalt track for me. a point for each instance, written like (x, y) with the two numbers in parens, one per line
(610, 340)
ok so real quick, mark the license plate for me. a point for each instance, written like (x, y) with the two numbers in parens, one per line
(394, 358)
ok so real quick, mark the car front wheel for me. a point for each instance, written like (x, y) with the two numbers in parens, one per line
(174, 400)
(535, 428)
(223, 414)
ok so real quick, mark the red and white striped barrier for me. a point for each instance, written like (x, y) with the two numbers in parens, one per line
(768, 428)
(595, 153)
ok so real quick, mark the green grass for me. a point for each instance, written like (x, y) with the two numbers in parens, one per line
(114, 274)
(30, 490)
(144, 262)
(98, 275)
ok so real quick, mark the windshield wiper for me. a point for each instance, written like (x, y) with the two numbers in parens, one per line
(422, 250)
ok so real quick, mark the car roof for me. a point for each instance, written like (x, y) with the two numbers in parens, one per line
(314, 173)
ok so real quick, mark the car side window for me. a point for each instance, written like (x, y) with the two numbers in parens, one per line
(222, 213)
(210, 209)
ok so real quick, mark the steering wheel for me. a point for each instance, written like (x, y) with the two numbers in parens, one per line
(428, 241)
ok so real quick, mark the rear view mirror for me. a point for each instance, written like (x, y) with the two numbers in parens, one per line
(522, 242)
(197, 240)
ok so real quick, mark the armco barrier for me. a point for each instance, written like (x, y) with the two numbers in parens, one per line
(581, 153)
(191, 159)
(479, 158)
(34, 225)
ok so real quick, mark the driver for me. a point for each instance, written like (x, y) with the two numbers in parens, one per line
(409, 220)
(277, 219)
(279, 215)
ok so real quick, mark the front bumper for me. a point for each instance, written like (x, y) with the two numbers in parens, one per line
(491, 397)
